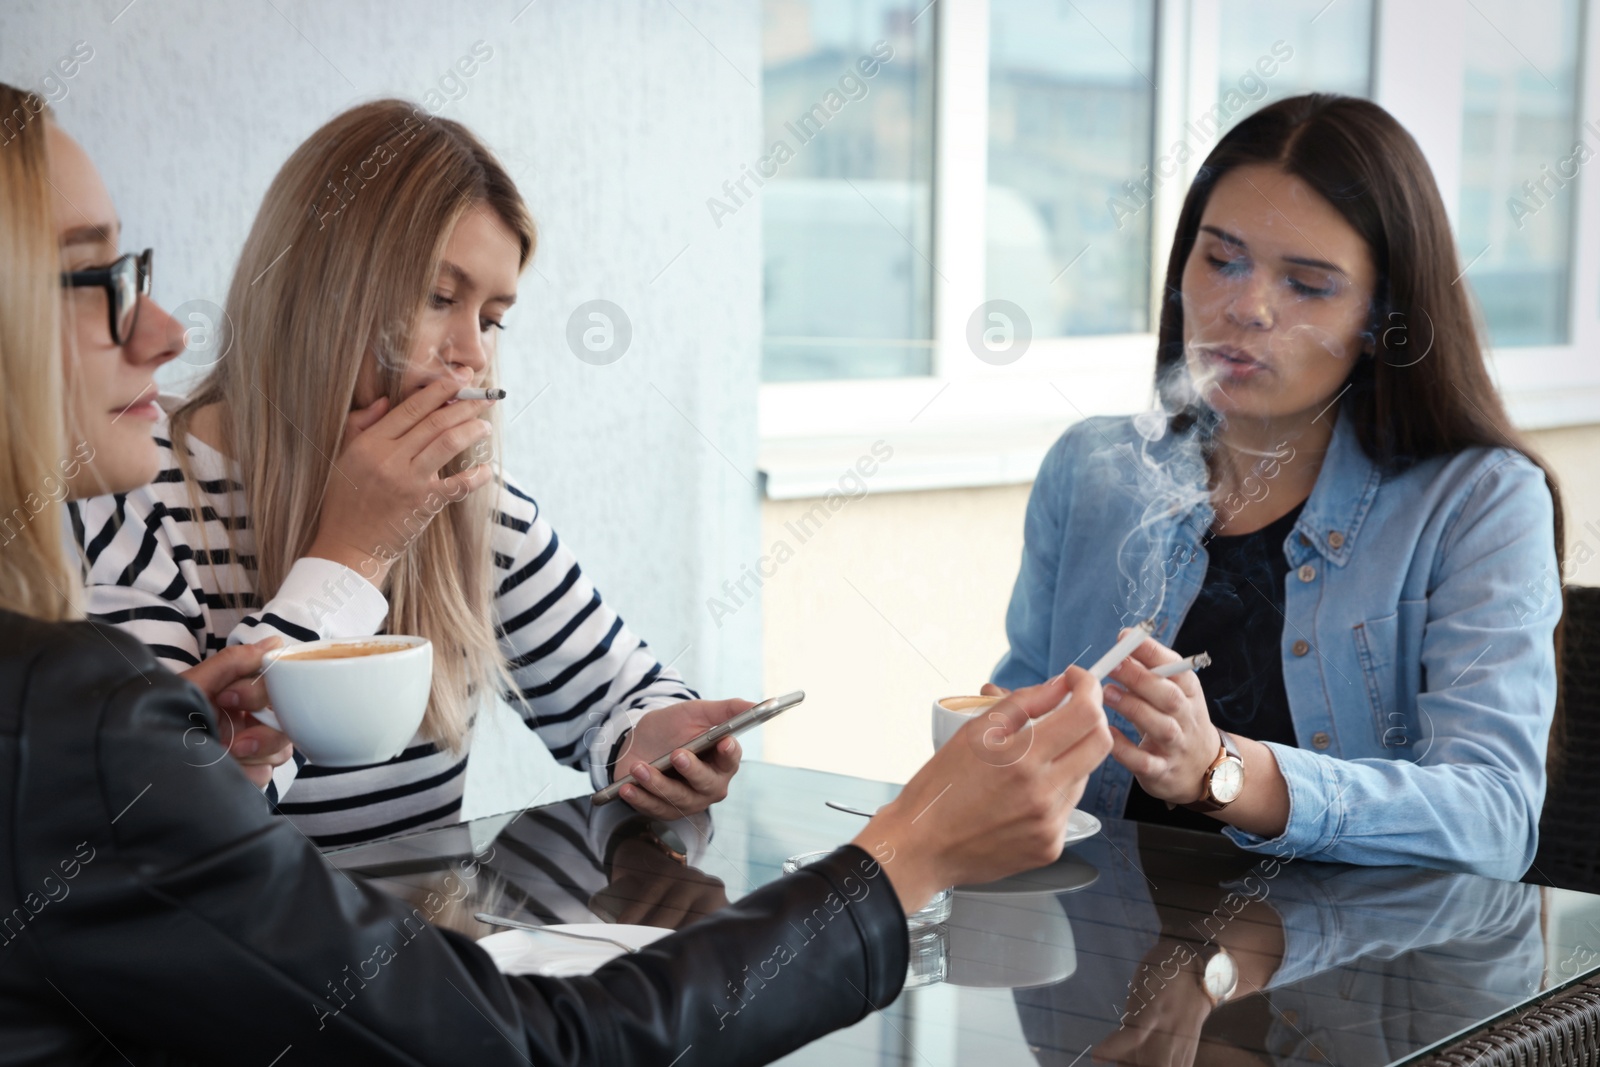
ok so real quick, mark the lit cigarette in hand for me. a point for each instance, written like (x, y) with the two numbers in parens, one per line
(1192, 663)
(481, 394)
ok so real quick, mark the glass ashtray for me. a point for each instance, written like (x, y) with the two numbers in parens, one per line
(929, 957)
(933, 913)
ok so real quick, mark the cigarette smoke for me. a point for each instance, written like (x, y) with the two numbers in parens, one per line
(1172, 479)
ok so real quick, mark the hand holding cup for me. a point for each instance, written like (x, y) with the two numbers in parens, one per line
(231, 681)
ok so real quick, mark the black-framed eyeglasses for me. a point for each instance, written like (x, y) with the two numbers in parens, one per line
(124, 281)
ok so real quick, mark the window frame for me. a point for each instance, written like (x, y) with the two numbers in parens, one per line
(973, 424)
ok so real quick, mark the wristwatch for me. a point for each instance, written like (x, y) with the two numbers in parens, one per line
(1224, 779)
(1219, 976)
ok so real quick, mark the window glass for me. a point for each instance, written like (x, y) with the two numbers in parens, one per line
(845, 176)
(1520, 155)
(1071, 115)
(1306, 50)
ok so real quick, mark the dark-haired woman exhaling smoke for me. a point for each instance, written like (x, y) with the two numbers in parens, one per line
(1333, 503)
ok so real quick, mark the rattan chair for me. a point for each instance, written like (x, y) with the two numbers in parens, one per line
(1569, 828)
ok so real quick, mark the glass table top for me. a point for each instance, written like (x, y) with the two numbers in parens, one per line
(1108, 955)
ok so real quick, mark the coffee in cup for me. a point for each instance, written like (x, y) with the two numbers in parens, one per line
(951, 714)
(352, 701)
(345, 650)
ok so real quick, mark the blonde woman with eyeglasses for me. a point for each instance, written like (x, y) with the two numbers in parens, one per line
(80, 425)
(323, 482)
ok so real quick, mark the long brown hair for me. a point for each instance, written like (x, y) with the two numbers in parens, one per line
(37, 578)
(339, 263)
(1425, 388)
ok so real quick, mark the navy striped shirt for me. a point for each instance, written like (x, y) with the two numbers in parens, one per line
(172, 579)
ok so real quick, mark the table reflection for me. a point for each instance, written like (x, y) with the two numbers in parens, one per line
(567, 862)
(1097, 956)
(1336, 964)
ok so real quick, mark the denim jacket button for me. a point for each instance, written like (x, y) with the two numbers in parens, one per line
(1300, 648)
(1320, 739)
(1335, 539)
(1307, 572)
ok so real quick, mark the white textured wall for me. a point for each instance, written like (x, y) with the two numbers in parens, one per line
(618, 118)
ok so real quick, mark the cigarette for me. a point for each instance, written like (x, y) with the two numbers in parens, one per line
(481, 394)
(1119, 652)
(1192, 663)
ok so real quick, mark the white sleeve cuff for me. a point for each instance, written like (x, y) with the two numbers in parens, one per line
(284, 775)
(332, 599)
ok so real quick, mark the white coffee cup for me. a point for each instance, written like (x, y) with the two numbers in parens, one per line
(951, 714)
(347, 708)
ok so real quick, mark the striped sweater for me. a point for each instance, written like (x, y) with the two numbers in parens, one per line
(170, 578)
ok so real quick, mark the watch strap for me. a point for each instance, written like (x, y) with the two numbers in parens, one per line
(1229, 745)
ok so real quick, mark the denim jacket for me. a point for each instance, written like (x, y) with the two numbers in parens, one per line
(1417, 642)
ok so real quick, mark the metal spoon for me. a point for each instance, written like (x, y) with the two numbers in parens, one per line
(849, 810)
(515, 924)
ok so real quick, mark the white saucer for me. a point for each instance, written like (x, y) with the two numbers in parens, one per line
(1065, 875)
(1080, 827)
(1080, 824)
(525, 952)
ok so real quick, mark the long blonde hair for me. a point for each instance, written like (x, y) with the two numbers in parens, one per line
(339, 263)
(37, 577)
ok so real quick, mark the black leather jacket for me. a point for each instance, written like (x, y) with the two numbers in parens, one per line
(153, 911)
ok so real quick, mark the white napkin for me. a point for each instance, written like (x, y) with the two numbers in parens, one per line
(524, 952)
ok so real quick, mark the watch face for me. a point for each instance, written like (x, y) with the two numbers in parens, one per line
(1221, 976)
(1227, 780)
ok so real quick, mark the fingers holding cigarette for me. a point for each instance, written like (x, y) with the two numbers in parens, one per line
(1153, 660)
(1137, 644)
(1188, 663)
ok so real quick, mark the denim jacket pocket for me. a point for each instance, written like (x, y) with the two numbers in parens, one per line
(1378, 644)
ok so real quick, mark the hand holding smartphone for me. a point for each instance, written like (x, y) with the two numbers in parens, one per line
(767, 709)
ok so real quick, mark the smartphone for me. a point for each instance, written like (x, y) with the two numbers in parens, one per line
(767, 709)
